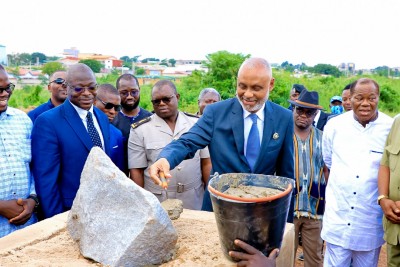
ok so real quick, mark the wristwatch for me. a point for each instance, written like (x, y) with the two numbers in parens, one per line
(381, 197)
(34, 197)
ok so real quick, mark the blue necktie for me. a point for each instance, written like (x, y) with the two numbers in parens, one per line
(93, 133)
(253, 143)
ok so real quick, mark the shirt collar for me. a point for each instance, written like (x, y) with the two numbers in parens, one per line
(82, 112)
(259, 113)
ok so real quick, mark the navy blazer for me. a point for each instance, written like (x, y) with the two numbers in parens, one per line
(221, 128)
(117, 148)
(60, 146)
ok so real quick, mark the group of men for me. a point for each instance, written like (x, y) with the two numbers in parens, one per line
(244, 134)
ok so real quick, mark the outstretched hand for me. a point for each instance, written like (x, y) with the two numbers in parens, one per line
(161, 165)
(253, 257)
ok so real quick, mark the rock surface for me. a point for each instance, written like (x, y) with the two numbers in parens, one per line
(173, 207)
(115, 222)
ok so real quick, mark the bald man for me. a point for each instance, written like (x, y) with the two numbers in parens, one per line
(61, 141)
(245, 134)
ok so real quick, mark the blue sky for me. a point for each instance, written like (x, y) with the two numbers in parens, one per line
(311, 31)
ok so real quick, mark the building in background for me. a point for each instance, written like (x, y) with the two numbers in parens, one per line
(3, 55)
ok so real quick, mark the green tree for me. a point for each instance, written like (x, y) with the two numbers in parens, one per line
(222, 70)
(93, 64)
(36, 56)
(140, 71)
(172, 62)
(326, 69)
(51, 67)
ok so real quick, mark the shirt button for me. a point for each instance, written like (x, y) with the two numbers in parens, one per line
(179, 168)
(357, 176)
(14, 193)
(352, 208)
(348, 224)
(354, 193)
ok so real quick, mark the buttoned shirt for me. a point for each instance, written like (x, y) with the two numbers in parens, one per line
(391, 159)
(353, 218)
(16, 180)
(145, 144)
(310, 180)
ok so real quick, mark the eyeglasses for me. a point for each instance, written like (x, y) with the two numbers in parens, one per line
(306, 111)
(165, 100)
(133, 93)
(9, 88)
(107, 105)
(60, 81)
(81, 89)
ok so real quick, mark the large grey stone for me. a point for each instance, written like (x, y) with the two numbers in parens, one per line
(116, 222)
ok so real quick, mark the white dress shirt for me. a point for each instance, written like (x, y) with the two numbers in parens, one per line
(352, 218)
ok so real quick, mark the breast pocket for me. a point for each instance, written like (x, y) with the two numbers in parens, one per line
(394, 155)
(153, 149)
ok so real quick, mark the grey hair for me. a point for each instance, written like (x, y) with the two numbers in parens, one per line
(209, 90)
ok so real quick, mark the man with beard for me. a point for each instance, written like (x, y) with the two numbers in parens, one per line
(310, 173)
(245, 134)
(148, 137)
(58, 90)
(62, 139)
(17, 191)
(129, 90)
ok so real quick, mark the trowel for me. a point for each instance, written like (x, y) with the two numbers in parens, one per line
(164, 184)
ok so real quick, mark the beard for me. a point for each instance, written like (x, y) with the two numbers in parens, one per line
(131, 107)
(257, 106)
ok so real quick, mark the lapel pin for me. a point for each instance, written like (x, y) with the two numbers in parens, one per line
(275, 136)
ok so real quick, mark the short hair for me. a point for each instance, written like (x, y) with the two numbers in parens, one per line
(363, 81)
(347, 87)
(209, 90)
(162, 83)
(254, 62)
(57, 71)
(107, 88)
(127, 77)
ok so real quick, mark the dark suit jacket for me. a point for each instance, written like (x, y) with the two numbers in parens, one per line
(60, 146)
(117, 148)
(221, 128)
(323, 118)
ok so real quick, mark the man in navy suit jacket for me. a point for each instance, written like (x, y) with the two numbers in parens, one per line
(108, 100)
(224, 129)
(61, 143)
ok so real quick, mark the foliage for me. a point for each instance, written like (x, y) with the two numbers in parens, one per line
(151, 59)
(222, 70)
(19, 59)
(172, 62)
(140, 71)
(38, 57)
(326, 69)
(93, 64)
(28, 97)
(51, 67)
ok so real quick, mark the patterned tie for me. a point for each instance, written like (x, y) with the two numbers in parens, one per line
(253, 143)
(93, 133)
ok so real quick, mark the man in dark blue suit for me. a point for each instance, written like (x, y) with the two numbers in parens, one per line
(61, 141)
(226, 128)
(109, 101)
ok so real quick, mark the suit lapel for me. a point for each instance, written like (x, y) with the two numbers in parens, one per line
(75, 122)
(237, 122)
(105, 130)
(268, 130)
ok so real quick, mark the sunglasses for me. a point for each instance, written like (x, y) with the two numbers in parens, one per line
(81, 89)
(306, 111)
(133, 93)
(107, 105)
(9, 88)
(165, 100)
(60, 81)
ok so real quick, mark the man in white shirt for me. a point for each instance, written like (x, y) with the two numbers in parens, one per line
(353, 144)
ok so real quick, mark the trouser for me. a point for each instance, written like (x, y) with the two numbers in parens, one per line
(310, 230)
(339, 256)
(393, 255)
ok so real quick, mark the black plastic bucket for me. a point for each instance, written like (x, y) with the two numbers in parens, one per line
(258, 222)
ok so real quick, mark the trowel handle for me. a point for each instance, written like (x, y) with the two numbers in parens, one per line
(163, 180)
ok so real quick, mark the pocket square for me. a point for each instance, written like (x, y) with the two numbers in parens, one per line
(115, 146)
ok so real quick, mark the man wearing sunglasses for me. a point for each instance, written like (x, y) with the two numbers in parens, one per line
(109, 101)
(311, 175)
(17, 190)
(58, 90)
(148, 137)
(62, 139)
(129, 90)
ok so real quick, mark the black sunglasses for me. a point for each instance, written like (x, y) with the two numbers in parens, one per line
(165, 100)
(306, 111)
(107, 105)
(81, 89)
(60, 81)
(9, 88)
(133, 93)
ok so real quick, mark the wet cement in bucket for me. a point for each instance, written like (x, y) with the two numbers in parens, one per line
(249, 191)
